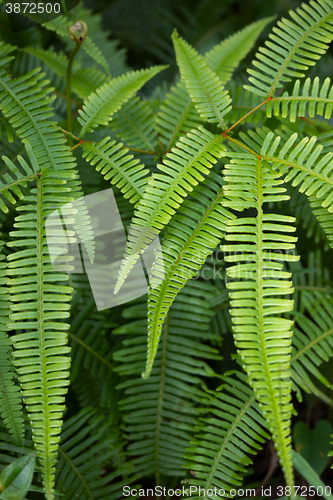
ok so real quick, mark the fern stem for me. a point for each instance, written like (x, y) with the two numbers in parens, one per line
(68, 90)
(81, 27)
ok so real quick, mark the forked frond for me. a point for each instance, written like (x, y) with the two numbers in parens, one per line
(224, 57)
(294, 46)
(117, 166)
(10, 400)
(83, 81)
(192, 235)
(88, 444)
(302, 163)
(39, 313)
(134, 124)
(203, 85)
(59, 26)
(102, 104)
(236, 429)
(177, 116)
(311, 98)
(259, 247)
(160, 412)
(187, 165)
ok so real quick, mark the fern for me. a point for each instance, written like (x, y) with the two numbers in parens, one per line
(116, 165)
(261, 336)
(191, 237)
(177, 116)
(184, 167)
(160, 413)
(40, 310)
(10, 402)
(293, 47)
(59, 25)
(107, 99)
(84, 449)
(83, 81)
(224, 57)
(236, 428)
(203, 85)
(311, 98)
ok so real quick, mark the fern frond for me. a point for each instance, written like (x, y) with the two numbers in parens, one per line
(242, 103)
(10, 401)
(219, 454)
(102, 104)
(192, 236)
(117, 166)
(262, 337)
(302, 163)
(311, 98)
(313, 339)
(83, 81)
(203, 85)
(87, 445)
(59, 26)
(134, 124)
(177, 116)
(324, 218)
(39, 313)
(187, 165)
(25, 102)
(11, 182)
(224, 57)
(160, 412)
(294, 46)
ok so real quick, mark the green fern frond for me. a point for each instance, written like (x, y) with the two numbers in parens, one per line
(192, 236)
(219, 455)
(13, 180)
(25, 102)
(102, 104)
(294, 46)
(87, 445)
(302, 163)
(187, 165)
(160, 413)
(59, 26)
(311, 98)
(83, 81)
(177, 116)
(262, 337)
(40, 310)
(10, 400)
(324, 218)
(224, 57)
(134, 124)
(117, 166)
(313, 339)
(203, 85)
(90, 349)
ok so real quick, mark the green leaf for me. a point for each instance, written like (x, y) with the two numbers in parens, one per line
(202, 83)
(293, 47)
(224, 57)
(16, 478)
(102, 104)
(309, 474)
(313, 444)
